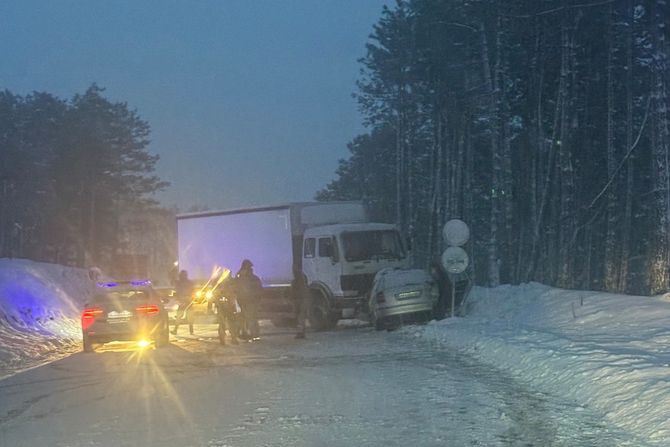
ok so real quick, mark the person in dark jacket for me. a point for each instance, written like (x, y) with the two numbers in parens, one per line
(184, 294)
(227, 312)
(249, 290)
(302, 300)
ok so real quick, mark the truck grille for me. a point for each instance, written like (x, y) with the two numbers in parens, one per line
(361, 284)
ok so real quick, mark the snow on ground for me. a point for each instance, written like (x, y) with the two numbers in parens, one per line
(40, 306)
(609, 353)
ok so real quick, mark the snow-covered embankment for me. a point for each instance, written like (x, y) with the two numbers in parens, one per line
(605, 351)
(40, 306)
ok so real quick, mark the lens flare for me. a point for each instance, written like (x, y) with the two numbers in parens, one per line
(219, 275)
(143, 343)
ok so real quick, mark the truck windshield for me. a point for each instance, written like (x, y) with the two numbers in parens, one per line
(365, 245)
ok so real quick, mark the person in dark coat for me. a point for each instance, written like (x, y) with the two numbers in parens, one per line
(302, 300)
(184, 294)
(227, 312)
(249, 290)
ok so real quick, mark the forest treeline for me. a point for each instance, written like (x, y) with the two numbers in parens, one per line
(542, 123)
(70, 171)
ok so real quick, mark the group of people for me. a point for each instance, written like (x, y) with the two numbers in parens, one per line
(237, 305)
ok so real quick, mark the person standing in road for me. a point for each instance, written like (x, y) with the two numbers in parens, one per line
(302, 300)
(226, 313)
(184, 293)
(249, 291)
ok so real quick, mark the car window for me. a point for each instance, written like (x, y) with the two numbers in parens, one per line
(310, 247)
(325, 247)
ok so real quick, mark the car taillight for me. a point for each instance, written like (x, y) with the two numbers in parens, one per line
(88, 316)
(148, 309)
(380, 297)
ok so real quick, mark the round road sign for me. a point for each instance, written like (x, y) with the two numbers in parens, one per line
(455, 260)
(456, 232)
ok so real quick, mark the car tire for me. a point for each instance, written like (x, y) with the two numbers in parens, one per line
(88, 344)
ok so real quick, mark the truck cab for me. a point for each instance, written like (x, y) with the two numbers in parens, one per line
(340, 262)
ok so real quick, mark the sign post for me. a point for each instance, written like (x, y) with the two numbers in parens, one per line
(454, 259)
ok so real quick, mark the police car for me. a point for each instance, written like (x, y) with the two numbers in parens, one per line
(125, 311)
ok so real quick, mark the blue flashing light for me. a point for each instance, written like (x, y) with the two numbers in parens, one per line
(141, 282)
(134, 283)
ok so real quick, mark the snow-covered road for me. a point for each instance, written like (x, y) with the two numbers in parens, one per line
(354, 386)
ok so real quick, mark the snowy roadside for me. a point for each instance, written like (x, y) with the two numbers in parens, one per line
(604, 351)
(39, 312)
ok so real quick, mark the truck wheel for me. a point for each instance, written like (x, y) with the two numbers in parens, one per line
(320, 318)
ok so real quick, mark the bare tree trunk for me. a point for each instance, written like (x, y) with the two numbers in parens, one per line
(628, 208)
(660, 137)
(567, 203)
(457, 208)
(468, 186)
(436, 200)
(611, 255)
(549, 174)
(507, 188)
(399, 171)
(493, 255)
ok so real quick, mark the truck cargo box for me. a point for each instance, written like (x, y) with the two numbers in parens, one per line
(262, 235)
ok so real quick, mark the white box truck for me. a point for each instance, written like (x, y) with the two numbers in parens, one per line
(333, 243)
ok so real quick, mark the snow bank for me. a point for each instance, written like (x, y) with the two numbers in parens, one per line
(605, 351)
(40, 306)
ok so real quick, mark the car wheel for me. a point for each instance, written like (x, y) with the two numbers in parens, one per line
(88, 345)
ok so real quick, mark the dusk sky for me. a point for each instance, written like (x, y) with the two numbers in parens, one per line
(249, 100)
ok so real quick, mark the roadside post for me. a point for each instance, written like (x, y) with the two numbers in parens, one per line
(455, 259)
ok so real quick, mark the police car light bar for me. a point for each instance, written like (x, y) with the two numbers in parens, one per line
(141, 282)
(136, 283)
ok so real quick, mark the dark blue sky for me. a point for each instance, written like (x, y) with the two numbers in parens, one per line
(249, 100)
